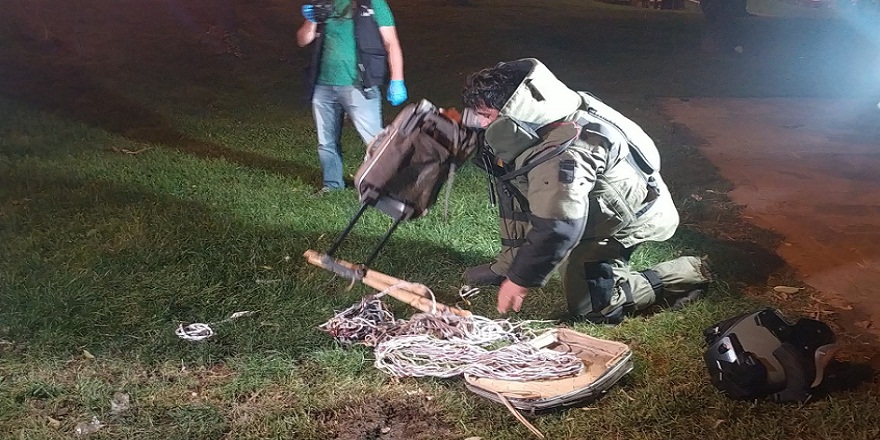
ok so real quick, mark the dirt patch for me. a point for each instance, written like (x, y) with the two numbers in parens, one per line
(386, 418)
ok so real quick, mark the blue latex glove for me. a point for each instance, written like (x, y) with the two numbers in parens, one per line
(308, 12)
(396, 92)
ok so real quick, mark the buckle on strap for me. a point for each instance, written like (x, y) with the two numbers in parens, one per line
(653, 279)
(629, 307)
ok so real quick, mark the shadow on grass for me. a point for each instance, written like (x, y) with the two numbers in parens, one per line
(58, 86)
(114, 270)
(843, 376)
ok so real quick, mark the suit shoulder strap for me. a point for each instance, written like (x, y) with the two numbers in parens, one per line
(544, 155)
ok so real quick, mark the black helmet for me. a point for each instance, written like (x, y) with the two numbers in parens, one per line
(760, 354)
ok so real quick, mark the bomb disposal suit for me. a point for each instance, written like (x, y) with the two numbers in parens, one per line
(579, 188)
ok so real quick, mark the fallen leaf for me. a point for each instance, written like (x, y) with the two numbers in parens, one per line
(86, 428)
(787, 289)
(717, 423)
(53, 423)
(121, 402)
(88, 355)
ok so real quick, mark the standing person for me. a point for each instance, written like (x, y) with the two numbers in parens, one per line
(579, 188)
(355, 47)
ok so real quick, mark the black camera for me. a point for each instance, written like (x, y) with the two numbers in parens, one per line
(323, 9)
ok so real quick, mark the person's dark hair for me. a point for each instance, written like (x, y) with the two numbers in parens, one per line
(493, 87)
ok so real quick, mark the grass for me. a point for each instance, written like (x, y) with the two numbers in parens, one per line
(147, 180)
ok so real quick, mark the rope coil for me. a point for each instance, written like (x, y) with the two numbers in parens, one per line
(446, 345)
(424, 355)
(198, 331)
(194, 332)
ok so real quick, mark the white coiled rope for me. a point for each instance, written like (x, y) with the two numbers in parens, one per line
(198, 331)
(446, 345)
(425, 355)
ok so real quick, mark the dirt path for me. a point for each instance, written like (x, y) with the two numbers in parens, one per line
(808, 169)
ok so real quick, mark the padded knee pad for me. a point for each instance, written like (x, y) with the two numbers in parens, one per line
(600, 283)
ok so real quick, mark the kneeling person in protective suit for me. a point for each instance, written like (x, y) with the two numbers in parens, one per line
(578, 187)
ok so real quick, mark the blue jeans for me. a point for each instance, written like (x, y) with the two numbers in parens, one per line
(364, 108)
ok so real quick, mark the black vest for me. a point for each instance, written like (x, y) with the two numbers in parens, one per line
(372, 63)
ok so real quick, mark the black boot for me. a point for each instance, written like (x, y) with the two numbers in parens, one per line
(482, 275)
(688, 299)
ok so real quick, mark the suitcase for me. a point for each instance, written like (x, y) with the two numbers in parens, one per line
(408, 162)
(406, 165)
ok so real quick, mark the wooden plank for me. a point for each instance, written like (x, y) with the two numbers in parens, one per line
(414, 294)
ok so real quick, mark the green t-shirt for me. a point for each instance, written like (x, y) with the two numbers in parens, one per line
(339, 56)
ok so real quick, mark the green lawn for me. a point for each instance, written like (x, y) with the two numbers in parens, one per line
(153, 172)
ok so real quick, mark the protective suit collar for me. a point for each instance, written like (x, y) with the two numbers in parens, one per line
(539, 100)
(508, 138)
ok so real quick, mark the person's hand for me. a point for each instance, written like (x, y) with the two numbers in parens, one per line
(308, 12)
(396, 92)
(511, 296)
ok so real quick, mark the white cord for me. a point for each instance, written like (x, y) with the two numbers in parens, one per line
(425, 355)
(194, 332)
(406, 284)
(198, 331)
(466, 291)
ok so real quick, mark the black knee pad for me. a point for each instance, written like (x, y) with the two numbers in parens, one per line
(600, 284)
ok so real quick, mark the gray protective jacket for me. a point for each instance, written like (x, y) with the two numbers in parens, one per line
(591, 190)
